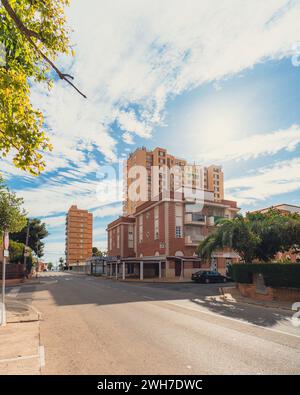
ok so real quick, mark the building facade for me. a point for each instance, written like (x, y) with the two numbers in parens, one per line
(207, 178)
(159, 236)
(79, 236)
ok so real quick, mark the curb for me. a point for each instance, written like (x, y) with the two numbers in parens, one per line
(30, 314)
(22, 284)
(149, 282)
(253, 303)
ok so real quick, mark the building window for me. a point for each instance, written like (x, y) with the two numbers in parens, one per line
(118, 238)
(178, 220)
(156, 222)
(110, 240)
(130, 236)
(141, 228)
(178, 232)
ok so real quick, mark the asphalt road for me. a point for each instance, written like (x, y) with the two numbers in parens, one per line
(98, 326)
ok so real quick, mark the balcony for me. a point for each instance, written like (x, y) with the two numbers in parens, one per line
(194, 219)
(192, 241)
(214, 220)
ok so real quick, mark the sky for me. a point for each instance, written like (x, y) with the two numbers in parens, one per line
(211, 81)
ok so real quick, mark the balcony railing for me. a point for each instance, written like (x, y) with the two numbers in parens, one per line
(193, 241)
(195, 219)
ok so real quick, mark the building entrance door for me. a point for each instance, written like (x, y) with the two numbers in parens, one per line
(177, 268)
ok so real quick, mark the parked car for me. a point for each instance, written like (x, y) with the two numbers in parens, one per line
(206, 276)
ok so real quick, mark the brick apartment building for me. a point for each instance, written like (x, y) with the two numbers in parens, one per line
(79, 236)
(159, 237)
(208, 178)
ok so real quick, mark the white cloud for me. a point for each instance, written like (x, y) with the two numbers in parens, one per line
(54, 222)
(107, 211)
(255, 145)
(99, 212)
(53, 251)
(131, 58)
(281, 178)
(143, 53)
(55, 197)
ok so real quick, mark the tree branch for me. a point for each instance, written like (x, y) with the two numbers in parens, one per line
(11, 142)
(29, 34)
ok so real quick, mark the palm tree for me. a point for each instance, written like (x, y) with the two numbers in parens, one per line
(236, 234)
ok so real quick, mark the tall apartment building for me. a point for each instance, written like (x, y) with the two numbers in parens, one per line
(79, 236)
(208, 178)
(160, 236)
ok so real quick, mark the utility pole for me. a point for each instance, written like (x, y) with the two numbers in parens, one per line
(5, 255)
(26, 245)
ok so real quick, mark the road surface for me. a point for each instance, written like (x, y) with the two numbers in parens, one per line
(97, 326)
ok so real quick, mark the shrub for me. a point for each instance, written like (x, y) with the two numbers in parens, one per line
(275, 274)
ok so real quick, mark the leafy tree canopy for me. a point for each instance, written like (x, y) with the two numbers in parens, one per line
(12, 215)
(37, 232)
(256, 236)
(16, 252)
(97, 252)
(32, 34)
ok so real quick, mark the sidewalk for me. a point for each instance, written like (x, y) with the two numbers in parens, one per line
(18, 311)
(20, 351)
(231, 294)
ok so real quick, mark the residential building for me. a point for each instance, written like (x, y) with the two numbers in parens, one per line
(142, 160)
(41, 266)
(79, 236)
(282, 208)
(159, 234)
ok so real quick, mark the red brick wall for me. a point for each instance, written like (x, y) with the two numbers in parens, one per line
(127, 252)
(150, 245)
(279, 294)
(175, 244)
(117, 251)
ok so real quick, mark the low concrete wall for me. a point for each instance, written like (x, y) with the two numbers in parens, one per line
(278, 294)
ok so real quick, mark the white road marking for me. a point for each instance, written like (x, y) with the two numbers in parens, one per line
(18, 358)
(42, 356)
(14, 292)
(233, 319)
(148, 297)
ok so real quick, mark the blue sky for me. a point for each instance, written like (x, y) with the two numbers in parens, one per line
(211, 82)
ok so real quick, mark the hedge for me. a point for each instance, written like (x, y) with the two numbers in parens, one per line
(275, 274)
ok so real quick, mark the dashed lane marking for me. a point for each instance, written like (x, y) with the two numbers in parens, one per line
(14, 292)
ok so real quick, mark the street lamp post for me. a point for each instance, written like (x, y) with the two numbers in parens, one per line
(26, 247)
(5, 255)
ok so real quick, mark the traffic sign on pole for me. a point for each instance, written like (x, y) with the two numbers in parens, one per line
(2, 304)
(6, 240)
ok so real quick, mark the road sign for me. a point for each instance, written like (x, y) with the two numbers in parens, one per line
(6, 253)
(26, 251)
(6, 240)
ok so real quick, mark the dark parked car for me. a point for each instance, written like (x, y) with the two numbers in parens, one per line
(205, 276)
